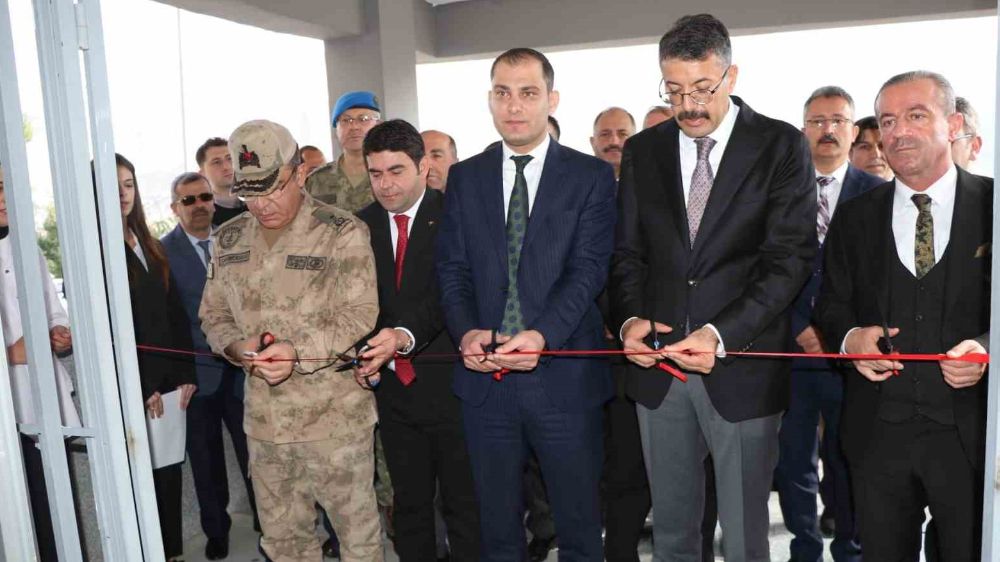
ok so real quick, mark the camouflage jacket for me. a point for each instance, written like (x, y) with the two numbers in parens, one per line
(330, 185)
(316, 287)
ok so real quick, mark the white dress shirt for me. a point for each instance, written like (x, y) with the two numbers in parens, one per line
(194, 240)
(394, 234)
(689, 150)
(532, 173)
(834, 188)
(904, 222)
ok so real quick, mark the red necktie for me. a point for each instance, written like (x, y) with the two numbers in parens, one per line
(404, 368)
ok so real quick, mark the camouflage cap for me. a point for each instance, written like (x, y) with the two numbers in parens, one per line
(259, 149)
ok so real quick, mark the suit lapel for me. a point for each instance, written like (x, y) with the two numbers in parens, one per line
(966, 229)
(490, 187)
(385, 263)
(549, 191)
(184, 248)
(883, 252)
(666, 153)
(425, 224)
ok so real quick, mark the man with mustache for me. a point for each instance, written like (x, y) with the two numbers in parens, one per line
(908, 269)
(219, 401)
(866, 152)
(611, 128)
(817, 387)
(716, 234)
(344, 182)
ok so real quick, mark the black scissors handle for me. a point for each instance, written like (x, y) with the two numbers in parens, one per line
(492, 346)
(885, 342)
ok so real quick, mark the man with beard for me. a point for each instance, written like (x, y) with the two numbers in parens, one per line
(219, 400)
(216, 165)
(866, 152)
(344, 182)
(710, 252)
(817, 387)
(908, 268)
(611, 128)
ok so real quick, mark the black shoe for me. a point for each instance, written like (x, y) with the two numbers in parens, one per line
(827, 524)
(445, 558)
(331, 549)
(217, 549)
(538, 549)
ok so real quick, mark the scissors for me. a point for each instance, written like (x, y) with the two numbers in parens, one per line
(491, 348)
(354, 363)
(885, 344)
(677, 374)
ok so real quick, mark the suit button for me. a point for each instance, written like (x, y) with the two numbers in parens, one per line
(919, 318)
(692, 282)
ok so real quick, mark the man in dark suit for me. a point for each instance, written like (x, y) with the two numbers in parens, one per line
(716, 235)
(908, 263)
(419, 416)
(817, 387)
(534, 282)
(219, 400)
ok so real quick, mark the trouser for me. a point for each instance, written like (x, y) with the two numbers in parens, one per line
(290, 478)
(677, 437)
(536, 501)
(34, 473)
(626, 491)
(167, 485)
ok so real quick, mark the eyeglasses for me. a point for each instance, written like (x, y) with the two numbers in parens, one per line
(347, 121)
(837, 123)
(965, 136)
(700, 96)
(189, 200)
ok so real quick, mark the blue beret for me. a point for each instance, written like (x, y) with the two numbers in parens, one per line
(350, 100)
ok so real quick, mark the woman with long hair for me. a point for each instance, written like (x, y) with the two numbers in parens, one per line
(160, 321)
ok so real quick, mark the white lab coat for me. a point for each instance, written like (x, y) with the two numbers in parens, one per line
(24, 407)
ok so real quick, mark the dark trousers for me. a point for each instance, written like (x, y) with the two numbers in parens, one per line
(422, 455)
(35, 475)
(626, 490)
(517, 416)
(814, 393)
(206, 416)
(539, 520)
(910, 466)
(167, 484)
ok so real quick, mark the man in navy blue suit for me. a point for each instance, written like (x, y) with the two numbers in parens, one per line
(817, 387)
(220, 385)
(522, 254)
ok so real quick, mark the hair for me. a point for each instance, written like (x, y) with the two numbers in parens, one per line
(395, 135)
(659, 109)
(136, 221)
(518, 55)
(184, 179)
(555, 125)
(303, 150)
(694, 38)
(829, 92)
(971, 126)
(609, 110)
(201, 154)
(946, 94)
(865, 124)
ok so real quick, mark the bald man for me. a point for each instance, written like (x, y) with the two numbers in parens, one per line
(441, 154)
(611, 127)
(656, 115)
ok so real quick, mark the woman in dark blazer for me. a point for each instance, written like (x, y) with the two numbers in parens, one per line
(160, 321)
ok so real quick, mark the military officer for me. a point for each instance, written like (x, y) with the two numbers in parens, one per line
(303, 272)
(344, 182)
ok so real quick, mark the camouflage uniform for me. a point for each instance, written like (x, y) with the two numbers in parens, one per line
(310, 437)
(329, 184)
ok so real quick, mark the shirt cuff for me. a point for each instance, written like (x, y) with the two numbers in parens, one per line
(843, 344)
(622, 329)
(409, 346)
(720, 350)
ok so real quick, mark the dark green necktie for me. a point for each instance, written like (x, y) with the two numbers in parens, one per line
(517, 224)
(923, 251)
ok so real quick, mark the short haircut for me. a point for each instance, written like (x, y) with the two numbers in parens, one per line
(694, 38)
(946, 94)
(660, 109)
(202, 153)
(303, 149)
(829, 92)
(555, 125)
(395, 135)
(184, 179)
(614, 108)
(971, 126)
(519, 55)
(865, 124)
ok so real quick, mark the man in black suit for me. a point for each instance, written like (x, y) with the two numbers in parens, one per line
(817, 387)
(219, 400)
(420, 417)
(908, 263)
(716, 234)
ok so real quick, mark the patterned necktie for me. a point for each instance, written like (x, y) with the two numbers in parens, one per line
(204, 244)
(823, 217)
(701, 186)
(517, 224)
(404, 368)
(923, 249)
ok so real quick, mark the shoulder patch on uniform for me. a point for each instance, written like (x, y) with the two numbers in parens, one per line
(230, 234)
(234, 258)
(333, 216)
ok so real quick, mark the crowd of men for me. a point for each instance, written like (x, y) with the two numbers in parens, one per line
(441, 302)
